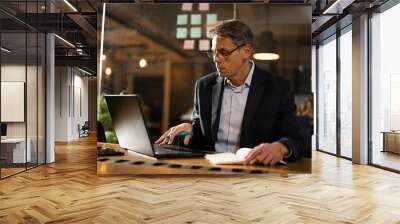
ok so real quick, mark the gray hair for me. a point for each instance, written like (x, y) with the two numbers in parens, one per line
(238, 31)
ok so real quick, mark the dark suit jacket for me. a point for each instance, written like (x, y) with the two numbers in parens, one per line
(269, 114)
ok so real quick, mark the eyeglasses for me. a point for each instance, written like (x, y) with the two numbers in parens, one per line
(222, 53)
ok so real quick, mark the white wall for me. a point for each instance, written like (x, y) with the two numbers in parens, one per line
(71, 103)
(61, 103)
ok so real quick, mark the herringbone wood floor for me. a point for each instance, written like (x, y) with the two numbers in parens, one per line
(69, 191)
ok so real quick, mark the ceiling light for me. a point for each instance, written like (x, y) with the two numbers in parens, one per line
(266, 56)
(5, 50)
(103, 57)
(70, 5)
(338, 6)
(65, 41)
(142, 63)
(265, 47)
(108, 71)
(84, 71)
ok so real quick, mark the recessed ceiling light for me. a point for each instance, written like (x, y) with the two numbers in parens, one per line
(108, 71)
(337, 7)
(70, 5)
(84, 71)
(65, 41)
(142, 63)
(5, 50)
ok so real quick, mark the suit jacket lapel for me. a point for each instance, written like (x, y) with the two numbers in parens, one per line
(257, 87)
(210, 93)
(217, 92)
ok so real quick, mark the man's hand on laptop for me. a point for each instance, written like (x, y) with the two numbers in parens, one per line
(168, 136)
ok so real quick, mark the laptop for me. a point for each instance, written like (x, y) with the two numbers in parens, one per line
(129, 124)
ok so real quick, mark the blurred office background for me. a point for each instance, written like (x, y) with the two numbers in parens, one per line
(48, 79)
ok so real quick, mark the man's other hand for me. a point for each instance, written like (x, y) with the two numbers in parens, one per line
(267, 154)
(168, 136)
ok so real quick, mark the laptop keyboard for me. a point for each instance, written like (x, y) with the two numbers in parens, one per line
(174, 150)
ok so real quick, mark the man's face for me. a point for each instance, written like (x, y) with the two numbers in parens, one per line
(228, 66)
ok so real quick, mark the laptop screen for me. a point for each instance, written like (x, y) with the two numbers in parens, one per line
(128, 122)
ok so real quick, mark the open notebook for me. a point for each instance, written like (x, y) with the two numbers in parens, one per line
(230, 158)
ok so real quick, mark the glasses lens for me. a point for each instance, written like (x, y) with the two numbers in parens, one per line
(224, 53)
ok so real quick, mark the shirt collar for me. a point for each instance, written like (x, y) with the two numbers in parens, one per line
(250, 75)
(247, 83)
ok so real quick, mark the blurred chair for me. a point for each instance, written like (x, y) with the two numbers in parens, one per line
(84, 130)
(101, 135)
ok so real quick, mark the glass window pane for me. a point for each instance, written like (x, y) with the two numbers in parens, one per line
(15, 151)
(346, 94)
(327, 96)
(385, 89)
(195, 32)
(195, 19)
(211, 19)
(41, 99)
(181, 33)
(182, 20)
(23, 88)
(31, 97)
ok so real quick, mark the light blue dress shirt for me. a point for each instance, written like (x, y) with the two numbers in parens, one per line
(231, 117)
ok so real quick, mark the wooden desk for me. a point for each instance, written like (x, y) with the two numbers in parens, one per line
(13, 150)
(136, 164)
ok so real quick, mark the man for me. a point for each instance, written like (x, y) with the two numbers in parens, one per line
(241, 105)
